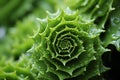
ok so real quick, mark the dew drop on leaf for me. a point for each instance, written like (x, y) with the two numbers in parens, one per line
(116, 20)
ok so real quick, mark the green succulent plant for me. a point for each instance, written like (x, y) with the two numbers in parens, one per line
(67, 48)
(15, 70)
(96, 10)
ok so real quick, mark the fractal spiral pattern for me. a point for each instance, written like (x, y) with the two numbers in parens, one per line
(65, 47)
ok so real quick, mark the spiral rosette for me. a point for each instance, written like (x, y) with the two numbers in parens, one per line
(65, 48)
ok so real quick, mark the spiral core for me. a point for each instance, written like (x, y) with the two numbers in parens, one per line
(66, 48)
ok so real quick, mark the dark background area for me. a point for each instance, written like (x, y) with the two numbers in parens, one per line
(112, 60)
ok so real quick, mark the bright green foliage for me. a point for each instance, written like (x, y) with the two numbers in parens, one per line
(18, 40)
(67, 48)
(11, 10)
(14, 65)
(15, 70)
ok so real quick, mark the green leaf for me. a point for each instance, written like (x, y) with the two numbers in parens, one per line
(95, 10)
(112, 35)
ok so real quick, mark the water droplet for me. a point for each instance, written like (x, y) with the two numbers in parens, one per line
(118, 33)
(97, 6)
(21, 75)
(2, 32)
(100, 12)
(116, 20)
(119, 28)
(68, 67)
(114, 36)
(109, 30)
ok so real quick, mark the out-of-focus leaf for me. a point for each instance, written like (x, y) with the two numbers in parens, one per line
(112, 35)
(11, 10)
(18, 40)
